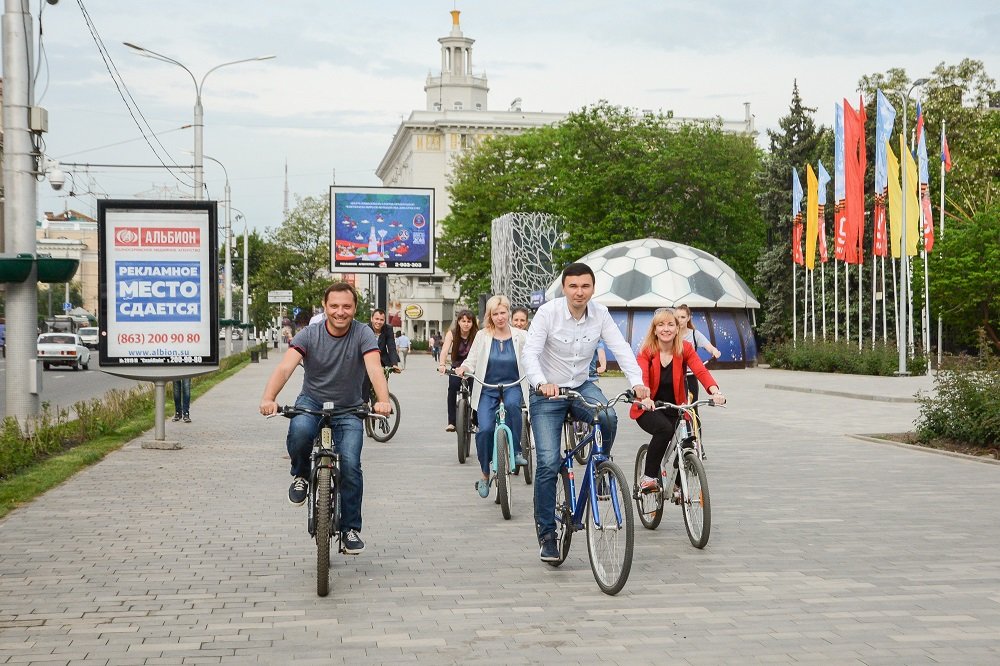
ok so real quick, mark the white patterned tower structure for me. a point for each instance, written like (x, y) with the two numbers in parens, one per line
(521, 254)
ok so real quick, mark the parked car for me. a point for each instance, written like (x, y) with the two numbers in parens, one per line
(89, 335)
(63, 349)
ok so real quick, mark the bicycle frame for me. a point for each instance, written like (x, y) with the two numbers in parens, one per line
(324, 456)
(686, 429)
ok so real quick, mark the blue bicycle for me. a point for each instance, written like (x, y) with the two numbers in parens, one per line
(502, 463)
(603, 506)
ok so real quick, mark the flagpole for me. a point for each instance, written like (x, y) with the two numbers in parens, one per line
(941, 238)
(874, 287)
(847, 302)
(836, 301)
(795, 305)
(822, 282)
(861, 309)
(885, 332)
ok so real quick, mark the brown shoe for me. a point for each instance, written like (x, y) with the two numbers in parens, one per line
(450, 428)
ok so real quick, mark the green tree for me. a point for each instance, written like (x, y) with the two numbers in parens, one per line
(612, 174)
(797, 142)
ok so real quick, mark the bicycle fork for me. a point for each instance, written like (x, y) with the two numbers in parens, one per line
(323, 456)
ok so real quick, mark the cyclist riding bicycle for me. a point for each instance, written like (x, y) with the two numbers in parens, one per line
(664, 359)
(496, 357)
(333, 356)
(561, 343)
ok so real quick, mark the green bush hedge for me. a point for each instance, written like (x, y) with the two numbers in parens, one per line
(965, 405)
(845, 357)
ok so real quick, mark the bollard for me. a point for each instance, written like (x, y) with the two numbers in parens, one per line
(263, 352)
(255, 357)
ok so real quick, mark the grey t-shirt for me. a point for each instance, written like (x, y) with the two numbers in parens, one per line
(335, 366)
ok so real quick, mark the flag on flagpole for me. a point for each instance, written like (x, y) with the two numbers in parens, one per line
(796, 218)
(812, 216)
(854, 173)
(895, 200)
(824, 180)
(885, 118)
(912, 202)
(925, 195)
(839, 185)
(945, 153)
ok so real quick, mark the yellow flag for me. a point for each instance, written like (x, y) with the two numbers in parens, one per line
(812, 216)
(895, 199)
(912, 202)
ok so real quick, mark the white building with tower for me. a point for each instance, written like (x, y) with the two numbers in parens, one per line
(457, 117)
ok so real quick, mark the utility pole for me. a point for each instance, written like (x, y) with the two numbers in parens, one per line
(19, 168)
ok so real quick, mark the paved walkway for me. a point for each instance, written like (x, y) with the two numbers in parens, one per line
(824, 549)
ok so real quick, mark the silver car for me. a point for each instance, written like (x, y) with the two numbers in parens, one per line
(89, 335)
(63, 349)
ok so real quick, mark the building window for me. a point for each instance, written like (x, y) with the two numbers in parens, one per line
(479, 107)
(458, 106)
(437, 106)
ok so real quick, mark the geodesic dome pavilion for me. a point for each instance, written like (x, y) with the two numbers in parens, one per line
(634, 278)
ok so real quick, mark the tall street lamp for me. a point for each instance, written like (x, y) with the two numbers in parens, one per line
(199, 112)
(246, 294)
(228, 271)
(904, 271)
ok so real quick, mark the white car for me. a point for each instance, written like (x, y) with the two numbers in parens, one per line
(89, 336)
(63, 349)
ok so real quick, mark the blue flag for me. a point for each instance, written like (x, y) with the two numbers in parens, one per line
(885, 118)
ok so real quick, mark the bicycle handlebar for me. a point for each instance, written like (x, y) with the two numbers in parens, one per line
(288, 411)
(627, 395)
(660, 404)
(507, 385)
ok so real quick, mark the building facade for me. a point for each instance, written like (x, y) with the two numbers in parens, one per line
(71, 235)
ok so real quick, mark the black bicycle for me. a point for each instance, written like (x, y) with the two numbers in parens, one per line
(383, 430)
(323, 514)
(463, 420)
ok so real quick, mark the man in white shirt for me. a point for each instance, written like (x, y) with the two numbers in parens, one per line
(561, 343)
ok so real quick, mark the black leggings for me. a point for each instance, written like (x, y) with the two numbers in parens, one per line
(661, 425)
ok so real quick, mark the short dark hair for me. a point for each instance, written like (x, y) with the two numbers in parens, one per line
(577, 269)
(378, 311)
(520, 308)
(340, 286)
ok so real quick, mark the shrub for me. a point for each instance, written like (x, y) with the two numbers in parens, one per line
(845, 357)
(966, 403)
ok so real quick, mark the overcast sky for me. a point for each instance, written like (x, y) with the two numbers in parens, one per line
(346, 72)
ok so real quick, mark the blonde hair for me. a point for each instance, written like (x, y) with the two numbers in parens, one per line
(651, 345)
(492, 304)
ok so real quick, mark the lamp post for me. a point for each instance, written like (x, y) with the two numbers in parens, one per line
(199, 111)
(246, 294)
(904, 263)
(228, 270)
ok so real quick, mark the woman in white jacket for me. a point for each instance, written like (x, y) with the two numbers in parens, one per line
(495, 357)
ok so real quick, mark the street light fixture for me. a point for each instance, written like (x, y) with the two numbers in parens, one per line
(246, 256)
(199, 112)
(904, 272)
(228, 271)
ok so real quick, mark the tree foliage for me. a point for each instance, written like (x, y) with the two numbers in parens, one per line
(612, 175)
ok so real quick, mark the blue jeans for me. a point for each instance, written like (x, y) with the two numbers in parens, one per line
(347, 435)
(547, 418)
(489, 403)
(182, 396)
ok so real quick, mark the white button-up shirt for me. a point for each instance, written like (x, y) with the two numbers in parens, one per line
(560, 348)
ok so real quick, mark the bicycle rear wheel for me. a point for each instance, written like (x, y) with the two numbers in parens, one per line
(564, 516)
(503, 472)
(461, 428)
(610, 539)
(526, 448)
(324, 533)
(649, 505)
(696, 503)
(382, 431)
(580, 430)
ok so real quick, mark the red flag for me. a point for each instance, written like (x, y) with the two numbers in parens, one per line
(823, 256)
(925, 208)
(797, 241)
(840, 227)
(945, 153)
(854, 174)
(879, 245)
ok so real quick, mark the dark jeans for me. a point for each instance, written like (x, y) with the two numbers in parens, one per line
(347, 434)
(547, 418)
(182, 396)
(661, 425)
(489, 404)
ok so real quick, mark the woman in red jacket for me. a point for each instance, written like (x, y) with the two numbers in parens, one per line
(664, 358)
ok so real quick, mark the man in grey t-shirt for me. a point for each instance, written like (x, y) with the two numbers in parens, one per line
(335, 356)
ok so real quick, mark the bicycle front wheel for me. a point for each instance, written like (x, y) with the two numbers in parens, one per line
(580, 430)
(503, 472)
(324, 533)
(461, 429)
(564, 516)
(649, 505)
(696, 504)
(382, 431)
(526, 448)
(610, 538)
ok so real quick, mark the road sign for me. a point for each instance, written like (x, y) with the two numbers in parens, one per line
(279, 296)
(67, 307)
(296, 311)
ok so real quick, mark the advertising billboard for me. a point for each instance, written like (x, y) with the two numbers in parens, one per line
(382, 230)
(158, 304)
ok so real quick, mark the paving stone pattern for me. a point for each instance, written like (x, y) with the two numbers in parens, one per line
(824, 548)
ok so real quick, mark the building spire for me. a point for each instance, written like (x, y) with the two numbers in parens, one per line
(456, 89)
